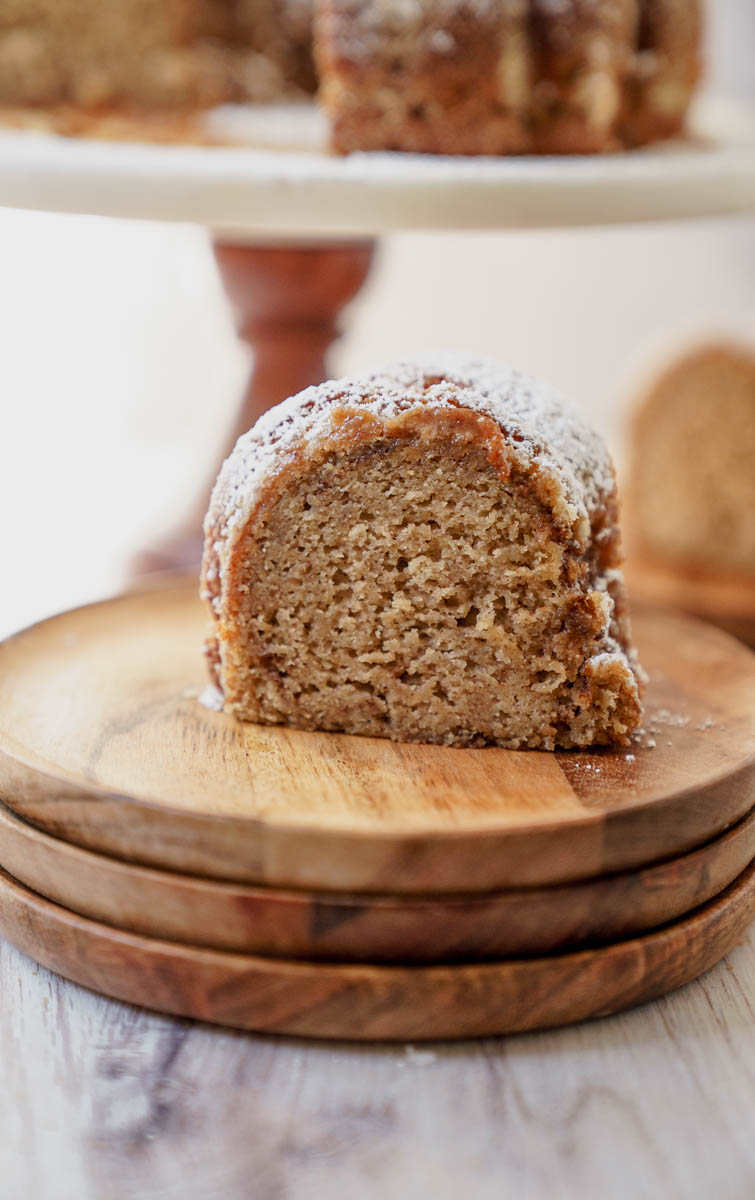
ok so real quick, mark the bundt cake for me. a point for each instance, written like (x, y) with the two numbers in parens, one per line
(96, 55)
(428, 553)
(692, 470)
(506, 76)
(441, 76)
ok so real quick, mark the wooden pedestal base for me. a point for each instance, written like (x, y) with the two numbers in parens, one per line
(288, 301)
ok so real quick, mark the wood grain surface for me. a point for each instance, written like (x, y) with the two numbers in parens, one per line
(104, 743)
(374, 1003)
(370, 928)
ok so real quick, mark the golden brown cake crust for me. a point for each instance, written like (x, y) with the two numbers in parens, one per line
(506, 76)
(343, 598)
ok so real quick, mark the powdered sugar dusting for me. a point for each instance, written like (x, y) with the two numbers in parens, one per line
(545, 435)
(548, 426)
(211, 697)
(545, 432)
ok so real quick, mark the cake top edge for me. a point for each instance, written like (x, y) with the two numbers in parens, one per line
(550, 433)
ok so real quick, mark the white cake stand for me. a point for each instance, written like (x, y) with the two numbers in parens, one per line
(294, 227)
(280, 182)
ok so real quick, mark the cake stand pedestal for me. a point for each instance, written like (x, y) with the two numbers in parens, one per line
(288, 300)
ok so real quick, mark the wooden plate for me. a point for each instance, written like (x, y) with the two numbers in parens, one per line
(366, 1003)
(105, 745)
(370, 928)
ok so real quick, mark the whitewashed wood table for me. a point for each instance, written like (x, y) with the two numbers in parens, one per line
(100, 1101)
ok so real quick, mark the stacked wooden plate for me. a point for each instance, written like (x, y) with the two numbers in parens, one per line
(316, 884)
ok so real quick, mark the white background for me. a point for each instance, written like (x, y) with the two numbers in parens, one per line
(120, 370)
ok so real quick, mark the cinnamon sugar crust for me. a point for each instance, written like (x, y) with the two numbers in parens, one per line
(427, 553)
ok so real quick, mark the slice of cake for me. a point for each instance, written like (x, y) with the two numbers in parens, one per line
(100, 55)
(506, 76)
(692, 471)
(427, 553)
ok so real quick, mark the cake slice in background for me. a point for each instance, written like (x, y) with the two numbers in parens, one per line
(691, 486)
(427, 553)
